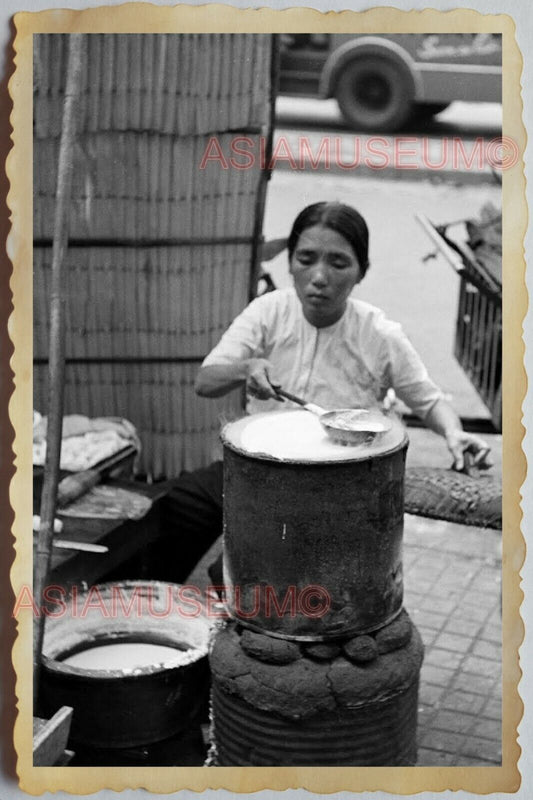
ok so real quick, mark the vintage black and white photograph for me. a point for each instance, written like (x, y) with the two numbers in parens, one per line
(267, 393)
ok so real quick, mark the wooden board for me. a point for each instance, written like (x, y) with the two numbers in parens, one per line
(50, 738)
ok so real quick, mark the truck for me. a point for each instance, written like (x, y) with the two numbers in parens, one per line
(384, 81)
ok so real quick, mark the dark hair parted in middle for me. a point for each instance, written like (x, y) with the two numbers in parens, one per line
(340, 218)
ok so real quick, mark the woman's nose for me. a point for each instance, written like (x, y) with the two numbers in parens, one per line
(320, 274)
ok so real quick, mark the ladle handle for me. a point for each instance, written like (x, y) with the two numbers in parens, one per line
(289, 396)
(314, 409)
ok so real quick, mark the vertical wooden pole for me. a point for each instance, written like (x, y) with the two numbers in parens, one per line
(57, 345)
(266, 173)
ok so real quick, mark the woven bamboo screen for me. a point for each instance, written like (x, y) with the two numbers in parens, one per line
(161, 251)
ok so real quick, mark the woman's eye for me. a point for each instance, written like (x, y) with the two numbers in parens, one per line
(305, 258)
(340, 263)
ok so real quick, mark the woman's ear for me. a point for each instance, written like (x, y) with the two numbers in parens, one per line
(359, 278)
(362, 273)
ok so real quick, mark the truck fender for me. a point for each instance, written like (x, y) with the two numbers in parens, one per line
(367, 46)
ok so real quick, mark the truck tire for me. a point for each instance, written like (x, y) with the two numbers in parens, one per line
(375, 94)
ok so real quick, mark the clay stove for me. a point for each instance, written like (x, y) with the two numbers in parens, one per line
(333, 682)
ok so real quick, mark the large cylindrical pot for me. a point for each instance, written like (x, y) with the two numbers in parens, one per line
(312, 541)
(120, 707)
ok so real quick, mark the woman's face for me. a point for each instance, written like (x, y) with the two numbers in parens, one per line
(325, 269)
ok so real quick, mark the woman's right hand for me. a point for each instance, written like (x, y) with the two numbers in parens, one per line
(260, 381)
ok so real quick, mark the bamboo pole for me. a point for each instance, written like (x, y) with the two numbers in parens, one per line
(57, 336)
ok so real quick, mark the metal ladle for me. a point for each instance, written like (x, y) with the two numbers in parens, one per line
(372, 423)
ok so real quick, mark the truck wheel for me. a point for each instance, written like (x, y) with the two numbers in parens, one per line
(375, 94)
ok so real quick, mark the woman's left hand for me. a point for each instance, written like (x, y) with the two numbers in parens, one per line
(460, 442)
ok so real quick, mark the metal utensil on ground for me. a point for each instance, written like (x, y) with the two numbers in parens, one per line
(348, 426)
(83, 547)
(471, 465)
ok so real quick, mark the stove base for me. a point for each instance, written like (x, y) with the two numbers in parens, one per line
(309, 713)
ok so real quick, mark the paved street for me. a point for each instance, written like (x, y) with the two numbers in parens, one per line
(452, 581)
(312, 135)
(452, 592)
(467, 120)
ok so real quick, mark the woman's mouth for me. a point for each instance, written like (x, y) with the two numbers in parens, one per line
(316, 297)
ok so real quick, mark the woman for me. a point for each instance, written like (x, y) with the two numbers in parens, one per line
(318, 342)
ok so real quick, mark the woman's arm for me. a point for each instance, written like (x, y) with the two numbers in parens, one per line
(237, 358)
(443, 420)
(217, 380)
(410, 381)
